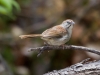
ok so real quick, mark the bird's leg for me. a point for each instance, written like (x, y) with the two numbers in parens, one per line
(46, 44)
(63, 45)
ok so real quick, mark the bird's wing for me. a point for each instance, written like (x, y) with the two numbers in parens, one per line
(55, 32)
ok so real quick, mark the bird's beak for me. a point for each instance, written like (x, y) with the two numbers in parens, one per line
(73, 23)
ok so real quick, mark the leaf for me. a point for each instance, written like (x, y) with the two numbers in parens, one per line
(7, 4)
(16, 5)
(3, 10)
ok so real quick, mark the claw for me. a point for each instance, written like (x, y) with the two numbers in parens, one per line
(63, 46)
(46, 44)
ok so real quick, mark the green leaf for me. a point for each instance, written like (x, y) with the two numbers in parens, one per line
(6, 8)
(16, 5)
(3, 10)
(7, 4)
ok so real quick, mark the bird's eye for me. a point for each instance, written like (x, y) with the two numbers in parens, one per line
(68, 22)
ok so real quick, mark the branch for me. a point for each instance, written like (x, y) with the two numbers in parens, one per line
(65, 47)
(82, 68)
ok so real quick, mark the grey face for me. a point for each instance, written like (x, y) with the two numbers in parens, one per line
(68, 23)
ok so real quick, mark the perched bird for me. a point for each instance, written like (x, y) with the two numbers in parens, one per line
(57, 35)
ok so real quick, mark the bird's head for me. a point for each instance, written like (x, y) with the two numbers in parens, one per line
(68, 23)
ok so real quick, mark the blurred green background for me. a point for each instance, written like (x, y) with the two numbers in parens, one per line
(34, 16)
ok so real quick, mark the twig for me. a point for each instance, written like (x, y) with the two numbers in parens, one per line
(66, 47)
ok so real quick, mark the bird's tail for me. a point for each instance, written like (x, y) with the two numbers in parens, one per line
(30, 36)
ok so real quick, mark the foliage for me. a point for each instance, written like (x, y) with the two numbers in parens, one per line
(6, 8)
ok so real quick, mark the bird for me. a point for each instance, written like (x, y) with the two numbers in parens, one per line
(56, 35)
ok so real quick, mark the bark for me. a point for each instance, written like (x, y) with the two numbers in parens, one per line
(82, 68)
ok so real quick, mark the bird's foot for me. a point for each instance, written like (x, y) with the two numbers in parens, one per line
(63, 46)
(46, 44)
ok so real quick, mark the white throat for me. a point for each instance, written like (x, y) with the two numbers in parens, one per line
(69, 29)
